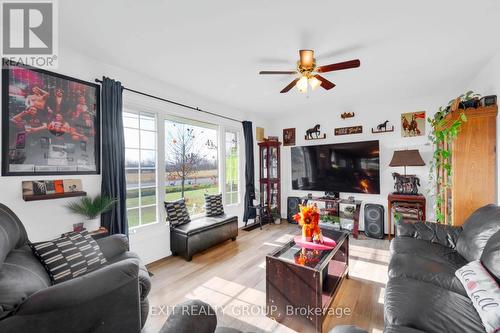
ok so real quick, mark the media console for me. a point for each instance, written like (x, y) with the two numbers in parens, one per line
(347, 210)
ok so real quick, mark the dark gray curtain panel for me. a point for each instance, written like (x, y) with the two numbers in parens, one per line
(249, 172)
(113, 157)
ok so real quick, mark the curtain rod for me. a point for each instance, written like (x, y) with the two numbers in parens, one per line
(176, 103)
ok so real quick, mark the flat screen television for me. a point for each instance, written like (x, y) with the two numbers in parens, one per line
(342, 167)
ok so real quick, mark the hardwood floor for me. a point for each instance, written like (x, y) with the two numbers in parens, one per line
(231, 276)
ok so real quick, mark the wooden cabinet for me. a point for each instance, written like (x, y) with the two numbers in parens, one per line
(270, 180)
(473, 164)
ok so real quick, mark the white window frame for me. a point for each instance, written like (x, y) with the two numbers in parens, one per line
(139, 168)
(238, 191)
(162, 112)
(209, 125)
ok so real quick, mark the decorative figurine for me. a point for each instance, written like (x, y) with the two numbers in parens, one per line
(316, 131)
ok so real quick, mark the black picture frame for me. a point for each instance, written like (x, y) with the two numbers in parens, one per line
(5, 114)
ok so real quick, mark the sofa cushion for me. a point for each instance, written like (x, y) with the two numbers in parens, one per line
(491, 256)
(21, 276)
(427, 270)
(476, 231)
(12, 232)
(429, 308)
(204, 223)
(177, 212)
(425, 249)
(484, 293)
(69, 256)
(213, 205)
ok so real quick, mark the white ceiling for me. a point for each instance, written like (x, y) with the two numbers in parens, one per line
(216, 48)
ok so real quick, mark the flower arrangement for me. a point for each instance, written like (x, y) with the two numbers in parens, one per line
(308, 219)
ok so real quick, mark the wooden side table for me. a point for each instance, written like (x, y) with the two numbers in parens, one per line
(402, 198)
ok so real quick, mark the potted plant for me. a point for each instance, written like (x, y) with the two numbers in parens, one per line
(398, 217)
(91, 208)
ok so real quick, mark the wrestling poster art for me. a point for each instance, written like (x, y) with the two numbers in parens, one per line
(50, 123)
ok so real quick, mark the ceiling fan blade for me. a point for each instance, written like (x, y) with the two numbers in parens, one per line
(290, 86)
(306, 58)
(339, 66)
(324, 82)
(278, 72)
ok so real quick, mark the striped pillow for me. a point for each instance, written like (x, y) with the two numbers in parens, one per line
(213, 205)
(177, 212)
(71, 255)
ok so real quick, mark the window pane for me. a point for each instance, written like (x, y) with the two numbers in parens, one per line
(148, 140)
(148, 215)
(131, 158)
(130, 120)
(148, 177)
(133, 217)
(148, 122)
(132, 178)
(191, 163)
(140, 161)
(148, 159)
(232, 168)
(148, 196)
(131, 137)
(133, 198)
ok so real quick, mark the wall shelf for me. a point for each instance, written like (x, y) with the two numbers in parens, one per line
(54, 196)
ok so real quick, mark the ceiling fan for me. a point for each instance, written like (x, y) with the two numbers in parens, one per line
(308, 72)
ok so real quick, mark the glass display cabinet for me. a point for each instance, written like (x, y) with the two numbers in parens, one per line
(270, 180)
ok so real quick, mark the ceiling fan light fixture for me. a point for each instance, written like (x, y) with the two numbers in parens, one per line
(306, 58)
(302, 84)
(314, 82)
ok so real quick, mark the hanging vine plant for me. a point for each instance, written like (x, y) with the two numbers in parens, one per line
(441, 138)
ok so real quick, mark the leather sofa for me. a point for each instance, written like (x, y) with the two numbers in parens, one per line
(423, 294)
(202, 233)
(110, 299)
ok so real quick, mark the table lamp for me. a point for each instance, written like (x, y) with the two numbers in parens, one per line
(406, 158)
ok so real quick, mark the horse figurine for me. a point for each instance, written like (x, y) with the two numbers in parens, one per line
(382, 126)
(315, 130)
(406, 184)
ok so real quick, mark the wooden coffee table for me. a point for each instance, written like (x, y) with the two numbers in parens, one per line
(301, 283)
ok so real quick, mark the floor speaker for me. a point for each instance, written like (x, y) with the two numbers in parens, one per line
(374, 221)
(292, 208)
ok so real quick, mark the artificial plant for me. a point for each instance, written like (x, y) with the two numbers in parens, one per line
(91, 208)
(440, 137)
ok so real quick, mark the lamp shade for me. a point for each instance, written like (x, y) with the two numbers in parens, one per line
(406, 158)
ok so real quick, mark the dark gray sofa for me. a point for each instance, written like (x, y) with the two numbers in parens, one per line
(423, 294)
(110, 299)
(202, 233)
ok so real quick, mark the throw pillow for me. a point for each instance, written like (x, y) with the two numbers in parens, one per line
(213, 205)
(177, 212)
(71, 255)
(484, 293)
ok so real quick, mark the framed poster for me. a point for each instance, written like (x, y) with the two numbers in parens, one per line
(50, 123)
(413, 124)
(289, 137)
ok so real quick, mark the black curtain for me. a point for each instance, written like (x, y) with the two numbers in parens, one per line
(113, 157)
(249, 172)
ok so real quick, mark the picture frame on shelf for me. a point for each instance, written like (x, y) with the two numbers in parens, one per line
(47, 120)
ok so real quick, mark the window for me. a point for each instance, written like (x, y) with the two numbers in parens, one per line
(140, 167)
(191, 167)
(232, 168)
